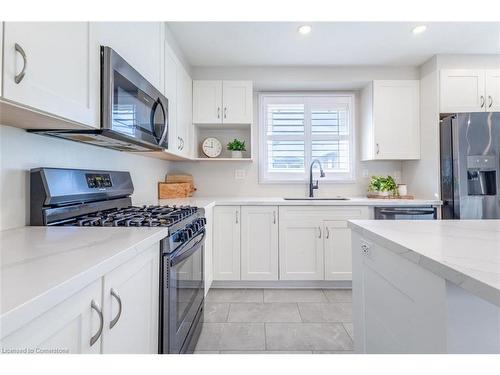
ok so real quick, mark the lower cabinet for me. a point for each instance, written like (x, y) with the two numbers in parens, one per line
(226, 243)
(337, 243)
(68, 327)
(130, 306)
(115, 314)
(259, 243)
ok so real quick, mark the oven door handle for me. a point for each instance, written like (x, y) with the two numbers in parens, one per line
(176, 259)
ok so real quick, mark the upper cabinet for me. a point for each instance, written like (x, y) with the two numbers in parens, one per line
(141, 44)
(391, 120)
(469, 90)
(222, 102)
(53, 67)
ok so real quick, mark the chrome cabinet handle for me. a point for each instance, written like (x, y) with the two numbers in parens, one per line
(117, 317)
(95, 307)
(225, 112)
(236, 216)
(182, 143)
(327, 233)
(378, 148)
(218, 112)
(482, 101)
(274, 217)
(19, 77)
(490, 98)
(319, 232)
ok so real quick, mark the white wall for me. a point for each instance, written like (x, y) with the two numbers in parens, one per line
(20, 151)
(217, 178)
(423, 176)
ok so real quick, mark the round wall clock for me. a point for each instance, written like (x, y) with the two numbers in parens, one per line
(211, 147)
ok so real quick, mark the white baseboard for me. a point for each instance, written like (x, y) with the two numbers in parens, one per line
(282, 284)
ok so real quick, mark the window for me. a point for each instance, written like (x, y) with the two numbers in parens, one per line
(296, 129)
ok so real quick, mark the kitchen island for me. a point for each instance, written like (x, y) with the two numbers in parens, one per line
(426, 286)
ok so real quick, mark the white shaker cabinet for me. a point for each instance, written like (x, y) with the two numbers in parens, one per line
(390, 125)
(338, 262)
(300, 246)
(130, 305)
(141, 44)
(222, 102)
(69, 326)
(207, 102)
(226, 242)
(259, 243)
(492, 87)
(462, 90)
(171, 82)
(53, 67)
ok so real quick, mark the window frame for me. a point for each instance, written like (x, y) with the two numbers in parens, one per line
(308, 99)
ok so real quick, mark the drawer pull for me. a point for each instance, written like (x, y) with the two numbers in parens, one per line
(95, 307)
(19, 77)
(117, 317)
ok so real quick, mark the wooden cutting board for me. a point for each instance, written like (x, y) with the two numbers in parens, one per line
(167, 190)
(181, 178)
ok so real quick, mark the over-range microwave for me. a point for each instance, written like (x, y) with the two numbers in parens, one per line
(134, 114)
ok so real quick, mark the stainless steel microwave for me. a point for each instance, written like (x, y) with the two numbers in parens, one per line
(134, 114)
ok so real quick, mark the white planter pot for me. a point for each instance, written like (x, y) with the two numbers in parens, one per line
(236, 154)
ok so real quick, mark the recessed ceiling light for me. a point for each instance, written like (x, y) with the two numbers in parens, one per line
(304, 29)
(419, 29)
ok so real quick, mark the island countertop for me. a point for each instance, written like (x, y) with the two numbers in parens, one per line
(464, 252)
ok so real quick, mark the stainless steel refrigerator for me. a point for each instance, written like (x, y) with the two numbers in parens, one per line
(470, 166)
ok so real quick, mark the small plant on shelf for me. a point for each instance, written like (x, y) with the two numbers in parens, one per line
(383, 185)
(236, 147)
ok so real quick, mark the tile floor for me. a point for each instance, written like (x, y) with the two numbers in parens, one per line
(277, 321)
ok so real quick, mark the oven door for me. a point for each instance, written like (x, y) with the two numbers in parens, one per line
(185, 293)
(131, 105)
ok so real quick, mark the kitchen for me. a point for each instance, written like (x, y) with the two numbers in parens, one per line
(320, 188)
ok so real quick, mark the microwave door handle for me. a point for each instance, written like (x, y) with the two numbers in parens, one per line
(160, 138)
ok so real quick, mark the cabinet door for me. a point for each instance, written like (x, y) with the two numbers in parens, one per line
(338, 259)
(184, 110)
(396, 119)
(61, 65)
(237, 102)
(207, 102)
(131, 296)
(68, 326)
(171, 83)
(462, 90)
(141, 44)
(226, 243)
(259, 243)
(300, 248)
(493, 90)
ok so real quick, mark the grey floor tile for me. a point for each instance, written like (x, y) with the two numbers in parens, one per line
(349, 328)
(326, 312)
(333, 352)
(294, 295)
(206, 352)
(307, 336)
(265, 352)
(216, 312)
(264, 312)
(210, 337)
(243, 336)
(235, 295)
(338, 295)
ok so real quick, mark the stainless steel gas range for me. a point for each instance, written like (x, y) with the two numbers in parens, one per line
(75, 197)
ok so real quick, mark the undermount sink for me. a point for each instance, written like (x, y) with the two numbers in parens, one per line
(317, 199)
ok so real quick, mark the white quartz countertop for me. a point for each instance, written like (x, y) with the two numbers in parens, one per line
(276, 201)
(42, 266)
(464, 252)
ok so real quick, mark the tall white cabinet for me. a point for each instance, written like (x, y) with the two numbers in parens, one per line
(390, 120)
(259, 243)
(227, 242)
(53, 67)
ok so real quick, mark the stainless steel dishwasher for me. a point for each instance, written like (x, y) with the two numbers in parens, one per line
(405, 213)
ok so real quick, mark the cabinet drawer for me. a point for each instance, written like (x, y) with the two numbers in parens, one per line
(323, 213)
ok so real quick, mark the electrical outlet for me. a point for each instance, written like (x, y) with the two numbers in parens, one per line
(397, 176)
(240, 174)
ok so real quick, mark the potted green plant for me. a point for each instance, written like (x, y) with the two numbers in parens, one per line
(383, 186)
(236, 147)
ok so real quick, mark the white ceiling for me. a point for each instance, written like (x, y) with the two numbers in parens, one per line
(330, 43)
